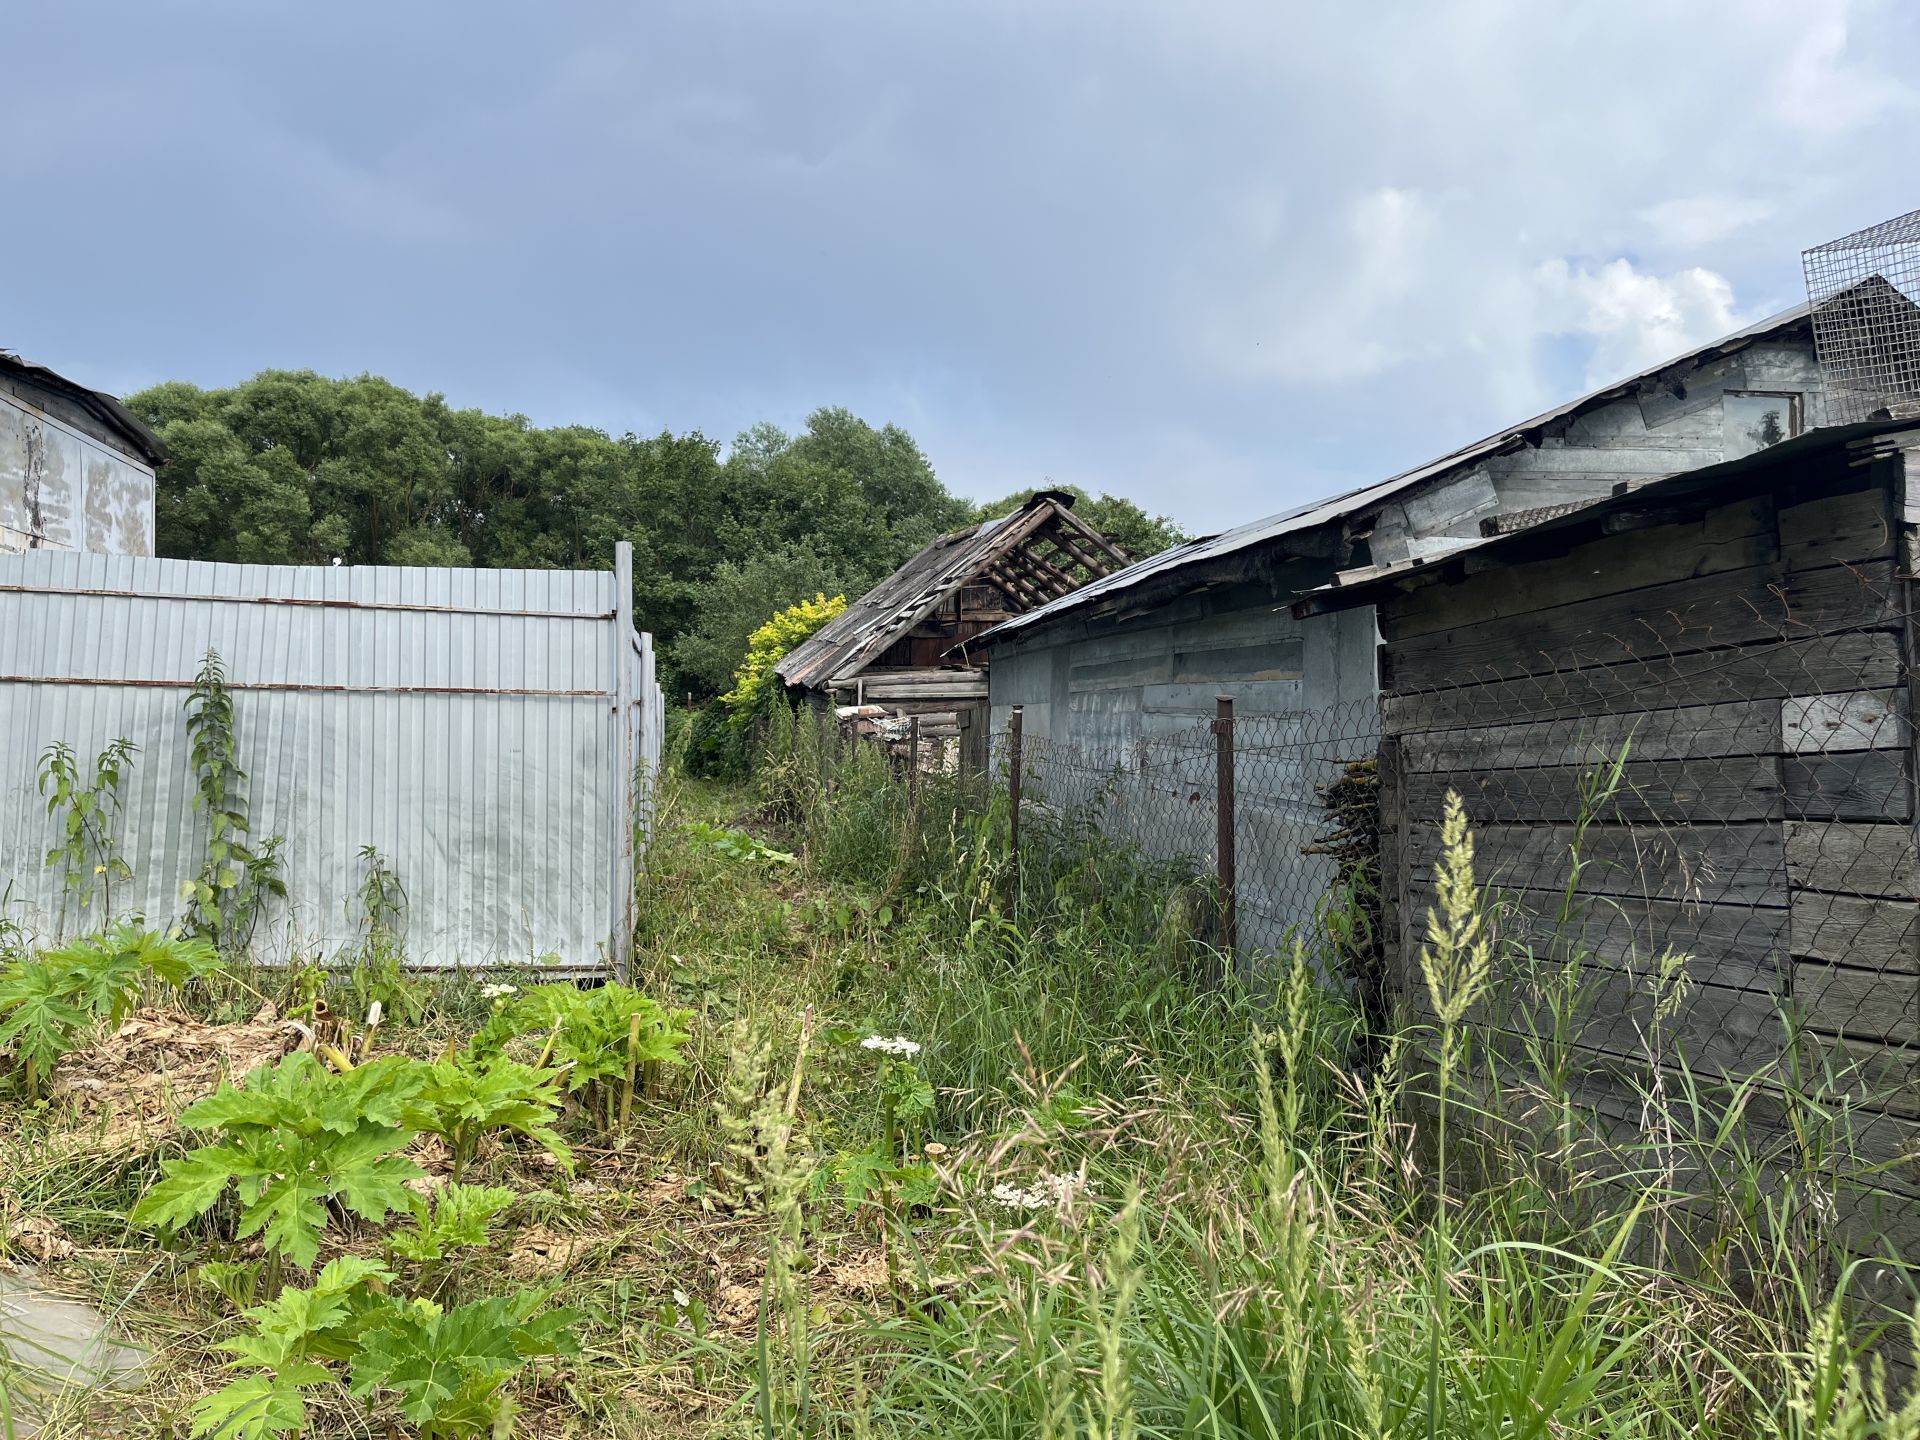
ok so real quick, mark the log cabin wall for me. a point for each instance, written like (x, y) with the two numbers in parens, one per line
(1705, 697)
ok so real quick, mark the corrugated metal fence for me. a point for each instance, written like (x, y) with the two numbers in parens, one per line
(491, 732)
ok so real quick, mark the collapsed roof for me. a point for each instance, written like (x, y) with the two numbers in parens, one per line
(1034, 556)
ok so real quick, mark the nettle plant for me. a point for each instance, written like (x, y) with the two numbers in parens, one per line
(602, 1041)
(88, 809)
(236, 878)
(50, 1002)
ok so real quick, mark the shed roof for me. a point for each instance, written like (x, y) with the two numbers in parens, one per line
(102, 406)
(1322, 512)
(851, 640)
(1367, 585)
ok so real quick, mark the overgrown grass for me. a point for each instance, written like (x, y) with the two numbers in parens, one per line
(1143, 1202)
(1257, 1228)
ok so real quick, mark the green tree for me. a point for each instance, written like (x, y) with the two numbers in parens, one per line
(292, 467)
(737, 599)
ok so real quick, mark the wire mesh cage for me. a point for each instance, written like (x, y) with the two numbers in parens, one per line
(1866, 323)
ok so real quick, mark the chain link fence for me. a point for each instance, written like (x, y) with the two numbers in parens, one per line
(1276, 813)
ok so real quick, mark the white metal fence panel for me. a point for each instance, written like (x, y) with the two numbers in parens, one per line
(480, 728)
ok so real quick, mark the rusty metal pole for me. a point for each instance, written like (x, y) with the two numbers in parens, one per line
(913, 763)
(1016, 764)
(1223, 809)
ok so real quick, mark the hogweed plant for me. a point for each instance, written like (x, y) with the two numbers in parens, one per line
(50, 1002)
(295, 1140)
(603, 1041)
(464, 1098)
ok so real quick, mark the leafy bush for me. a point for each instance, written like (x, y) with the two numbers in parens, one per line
(51, 1001)
(756, 689)
(295, 1138)
(715, 749)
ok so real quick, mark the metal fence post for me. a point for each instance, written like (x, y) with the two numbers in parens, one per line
(620, 683)
(1016, 763)
(1223, 810)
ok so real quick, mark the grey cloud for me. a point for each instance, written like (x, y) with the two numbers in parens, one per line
(1222, 257)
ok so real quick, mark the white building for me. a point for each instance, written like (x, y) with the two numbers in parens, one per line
(76, 468)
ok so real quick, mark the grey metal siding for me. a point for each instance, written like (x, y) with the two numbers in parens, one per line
(464, 722)
(1136, 700)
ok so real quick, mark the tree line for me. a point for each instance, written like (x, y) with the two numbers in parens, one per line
(292, 467)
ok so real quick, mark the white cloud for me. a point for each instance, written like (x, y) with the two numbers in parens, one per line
(1634, 319)
(1335, 309)
(1691, 221)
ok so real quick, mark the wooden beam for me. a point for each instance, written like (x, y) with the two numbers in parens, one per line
(1017, 588)
(1093, 564)
(1055, 555)
(1021, 563)
(1099, 567)
(1073, 521)
(1061, 582)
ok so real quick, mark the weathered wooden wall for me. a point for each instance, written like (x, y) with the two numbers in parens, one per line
(1745, 651)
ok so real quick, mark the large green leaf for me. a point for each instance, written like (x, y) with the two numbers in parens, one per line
(257, 1406)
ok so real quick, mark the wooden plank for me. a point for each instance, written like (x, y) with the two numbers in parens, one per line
(1865, 1004)
(1854, 720)
(1667, 791)
(1754, 672)
(1852, 857)
(1735, 947)
(1713, 611)
(1872, 1075)
(1720, 1033)
(1855, 930)
(1837, 529)
(1748, 727)
(1395, 891)
(1728, 537)
(1877, 1148)
(1707, 864)
(1857, 785)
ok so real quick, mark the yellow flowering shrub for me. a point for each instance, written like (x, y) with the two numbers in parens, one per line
(755, 686)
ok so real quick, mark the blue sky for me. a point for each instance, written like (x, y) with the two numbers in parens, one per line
(1221, 257)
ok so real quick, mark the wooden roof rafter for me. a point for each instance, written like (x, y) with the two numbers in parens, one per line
(1037, 555)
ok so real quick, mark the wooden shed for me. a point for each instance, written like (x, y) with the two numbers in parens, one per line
(1681, 722)
(904, 644)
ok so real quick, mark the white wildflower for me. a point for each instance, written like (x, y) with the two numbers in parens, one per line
(1015, 1197)
(1046, 1192)
(498, 991)
(898, 1045)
